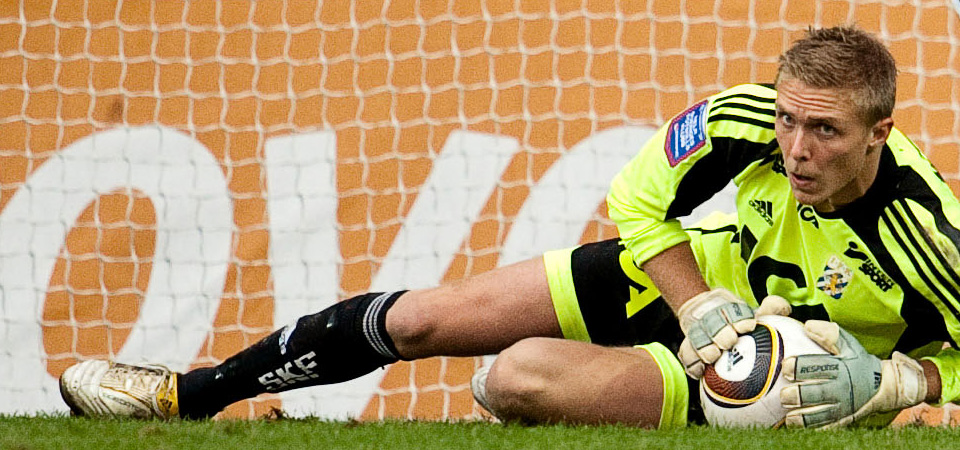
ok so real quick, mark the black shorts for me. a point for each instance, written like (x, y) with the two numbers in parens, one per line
(602, 297)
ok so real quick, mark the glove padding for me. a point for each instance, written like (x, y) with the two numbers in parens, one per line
(849, 384)
(713, 321)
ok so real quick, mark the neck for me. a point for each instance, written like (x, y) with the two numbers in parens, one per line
(857, 187)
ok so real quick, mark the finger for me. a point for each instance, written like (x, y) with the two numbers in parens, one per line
(737, 312)
(808, 393)
(709, 354)
(790, 397)
(774, 305)
(695, 371)
(825, 334)
(698, 337)
(726, 338)
(744, 326)
(724, 324)
(713, 322)
(687, 354)
(692, 364)
(842, 422)
(792, 420)
(789, 368)
(811, 417)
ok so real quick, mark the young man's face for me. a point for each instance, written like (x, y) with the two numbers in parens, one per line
(830, 155)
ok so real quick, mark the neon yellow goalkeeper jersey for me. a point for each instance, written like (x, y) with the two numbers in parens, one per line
(883, 267)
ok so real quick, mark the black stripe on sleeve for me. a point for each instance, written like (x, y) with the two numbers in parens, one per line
(907, 251)
(741, 119)
(948, 269)
(744, 107)
(711, 173)
(729, 155)
(755, 98)
(926, 322)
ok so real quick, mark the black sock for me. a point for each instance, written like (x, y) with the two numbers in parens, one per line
(340, 343)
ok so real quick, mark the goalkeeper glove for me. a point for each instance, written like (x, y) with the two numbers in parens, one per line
(849, 384)
(713, 321)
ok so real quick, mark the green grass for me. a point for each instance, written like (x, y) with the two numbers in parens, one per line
(78, 433)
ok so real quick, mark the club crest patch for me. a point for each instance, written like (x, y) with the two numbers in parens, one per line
(687, 133)
(835, 278)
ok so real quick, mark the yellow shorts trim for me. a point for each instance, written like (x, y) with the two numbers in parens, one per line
(676, 393)
(564, 294)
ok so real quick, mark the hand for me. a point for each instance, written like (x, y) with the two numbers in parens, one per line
(849, 384)
(713, 321)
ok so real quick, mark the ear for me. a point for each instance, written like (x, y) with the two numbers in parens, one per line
(880, 132)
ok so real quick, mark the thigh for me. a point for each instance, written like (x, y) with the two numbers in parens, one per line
(479, 315)
(553, 380)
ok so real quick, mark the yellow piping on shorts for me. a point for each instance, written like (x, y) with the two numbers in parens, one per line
(676, 394)
(564, 294)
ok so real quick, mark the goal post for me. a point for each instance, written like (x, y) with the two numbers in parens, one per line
(178, 179)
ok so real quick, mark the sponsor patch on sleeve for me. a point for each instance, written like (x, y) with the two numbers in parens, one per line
(687, 133)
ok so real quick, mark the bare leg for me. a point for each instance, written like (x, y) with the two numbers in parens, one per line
(480, 315)
(537, 377)
(553, 380)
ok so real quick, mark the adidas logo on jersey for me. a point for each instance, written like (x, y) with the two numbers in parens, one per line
(765, 209)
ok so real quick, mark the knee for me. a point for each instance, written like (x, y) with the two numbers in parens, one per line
(410, 324)
(519, 379)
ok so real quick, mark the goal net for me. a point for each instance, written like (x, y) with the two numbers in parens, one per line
(178, 179)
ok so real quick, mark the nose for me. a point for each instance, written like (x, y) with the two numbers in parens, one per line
(799, 146)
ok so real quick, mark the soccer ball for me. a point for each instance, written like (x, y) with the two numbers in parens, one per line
(742, 389)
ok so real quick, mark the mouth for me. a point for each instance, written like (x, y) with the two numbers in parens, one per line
(800, 181)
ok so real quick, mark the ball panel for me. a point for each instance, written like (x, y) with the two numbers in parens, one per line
(738, 363)
(723, 382)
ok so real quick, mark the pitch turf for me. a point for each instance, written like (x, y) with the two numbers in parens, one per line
(78, 433)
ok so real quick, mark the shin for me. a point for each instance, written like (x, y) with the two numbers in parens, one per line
(342, 342)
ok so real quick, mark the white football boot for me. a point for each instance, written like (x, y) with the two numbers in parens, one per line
(99, 388)
(478, 385)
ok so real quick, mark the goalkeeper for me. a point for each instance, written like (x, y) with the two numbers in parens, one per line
(838, 214)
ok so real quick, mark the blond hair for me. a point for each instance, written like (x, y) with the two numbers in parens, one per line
(847, 58)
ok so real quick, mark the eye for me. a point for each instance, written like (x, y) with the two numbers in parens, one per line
(785, 118)
(826, 130)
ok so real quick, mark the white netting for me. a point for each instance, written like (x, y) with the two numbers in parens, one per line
(177, 179)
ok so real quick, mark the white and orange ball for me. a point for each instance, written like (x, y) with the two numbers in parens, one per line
(742, 389)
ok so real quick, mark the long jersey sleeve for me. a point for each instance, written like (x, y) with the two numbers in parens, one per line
(884, 267)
